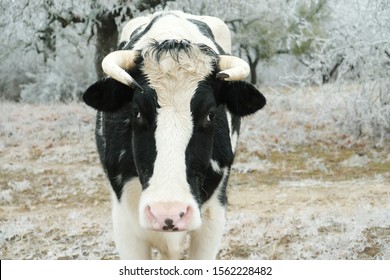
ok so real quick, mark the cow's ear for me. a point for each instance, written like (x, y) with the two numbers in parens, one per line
(108, 95)
(240, 97)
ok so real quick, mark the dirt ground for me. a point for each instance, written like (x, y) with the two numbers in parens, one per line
(309, 202)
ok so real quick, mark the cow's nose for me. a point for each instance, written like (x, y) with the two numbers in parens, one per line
(168, 216)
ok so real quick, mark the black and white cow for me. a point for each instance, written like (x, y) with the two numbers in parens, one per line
(167, 127)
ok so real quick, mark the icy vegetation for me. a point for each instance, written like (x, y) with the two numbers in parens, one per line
(339, 114)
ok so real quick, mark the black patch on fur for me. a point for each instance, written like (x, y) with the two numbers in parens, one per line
(210, 140)
(123, 129)
(144, 128)
(116, 134)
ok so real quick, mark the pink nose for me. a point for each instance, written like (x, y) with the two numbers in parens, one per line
(168, 216)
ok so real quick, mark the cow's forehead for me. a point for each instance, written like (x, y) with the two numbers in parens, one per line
(176, 73)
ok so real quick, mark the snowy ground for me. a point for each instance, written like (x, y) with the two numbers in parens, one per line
(301, 187)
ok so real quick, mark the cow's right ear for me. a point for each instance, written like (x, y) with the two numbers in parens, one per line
(108, 95)
(240, 97)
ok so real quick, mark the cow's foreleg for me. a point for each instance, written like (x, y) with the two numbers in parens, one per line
(131, 248)
(130, 245)
(205, 241)
(171, 245)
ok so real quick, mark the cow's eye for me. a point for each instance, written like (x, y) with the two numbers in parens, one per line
(210, 117)
(137, 114)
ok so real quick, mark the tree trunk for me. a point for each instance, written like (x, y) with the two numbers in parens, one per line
(252, 66)
(332, 71)
(106, 39)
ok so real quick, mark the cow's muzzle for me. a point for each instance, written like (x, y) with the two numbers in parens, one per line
(169, 216)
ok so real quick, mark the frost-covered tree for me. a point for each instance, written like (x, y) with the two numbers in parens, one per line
(355, 50)
(59, 42)
(278, 27)
(356, 44)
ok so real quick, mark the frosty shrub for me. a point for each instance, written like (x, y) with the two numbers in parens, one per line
(355, 51)
(360, 39)
(368, 112)
(60, 80)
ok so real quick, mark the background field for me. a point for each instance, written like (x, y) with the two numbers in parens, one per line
(310, 181)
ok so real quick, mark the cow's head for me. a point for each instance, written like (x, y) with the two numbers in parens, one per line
(172, 93)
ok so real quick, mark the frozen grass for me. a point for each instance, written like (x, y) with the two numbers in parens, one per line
(337, 115)
(304, 184)
(310, 220)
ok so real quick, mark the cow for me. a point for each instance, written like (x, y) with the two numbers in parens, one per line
(167, 126)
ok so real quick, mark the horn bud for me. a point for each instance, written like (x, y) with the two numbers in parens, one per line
(115, 64)
(232, 68)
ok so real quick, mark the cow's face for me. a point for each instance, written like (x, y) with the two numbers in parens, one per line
(172, 123)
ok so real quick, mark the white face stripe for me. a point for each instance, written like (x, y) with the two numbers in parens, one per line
(169, 180)
(175, 83)
(173, 133)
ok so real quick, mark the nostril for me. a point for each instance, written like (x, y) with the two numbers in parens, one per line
(168, 222)
(185, 212)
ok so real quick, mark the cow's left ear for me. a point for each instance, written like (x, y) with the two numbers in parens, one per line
(108, 95)
(240, 97)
